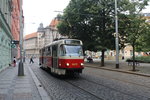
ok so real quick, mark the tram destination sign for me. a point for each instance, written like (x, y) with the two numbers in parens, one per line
(74, 42)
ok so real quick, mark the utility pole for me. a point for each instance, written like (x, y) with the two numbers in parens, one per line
(117, 40)
(21, 68)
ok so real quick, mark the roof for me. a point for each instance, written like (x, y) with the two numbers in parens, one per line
(54, 23)
(62, 41)
(32, 35)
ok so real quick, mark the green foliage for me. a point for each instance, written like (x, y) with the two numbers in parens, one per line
(145, 59)
(93, 22)
(135, 27)
(131, 23)
(143, 41)
(142, 59)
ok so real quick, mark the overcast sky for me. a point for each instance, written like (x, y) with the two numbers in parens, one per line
(37, 11)
(42, 11)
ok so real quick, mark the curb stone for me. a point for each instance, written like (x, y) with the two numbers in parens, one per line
(42, 91)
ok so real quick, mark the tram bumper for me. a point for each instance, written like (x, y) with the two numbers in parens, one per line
(58, 71)
(77, 70)
(64, 71)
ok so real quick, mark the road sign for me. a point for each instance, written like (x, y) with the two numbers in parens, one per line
(13, 46)
(15, 42)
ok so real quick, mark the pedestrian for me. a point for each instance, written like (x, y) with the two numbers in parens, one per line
(89, 59)
(122, 57)
(14, 61)
(31, 60)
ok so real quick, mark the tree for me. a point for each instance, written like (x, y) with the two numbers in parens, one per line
(133, 26)
(92, 21)
(143, 41)
(135, 31)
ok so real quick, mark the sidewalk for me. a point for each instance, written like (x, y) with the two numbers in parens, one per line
(14, 87)
(143, 69)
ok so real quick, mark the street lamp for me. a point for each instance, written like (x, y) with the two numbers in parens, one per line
(20, 68)
(117, 40)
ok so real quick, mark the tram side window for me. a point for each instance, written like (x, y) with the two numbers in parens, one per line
(62, 51)
(44, 51)
(40, 52)
(54, 49)
(49, 51)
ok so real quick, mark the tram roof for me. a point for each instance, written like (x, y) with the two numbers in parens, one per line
(66, 41)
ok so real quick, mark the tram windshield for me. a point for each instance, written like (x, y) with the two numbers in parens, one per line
(71, 50)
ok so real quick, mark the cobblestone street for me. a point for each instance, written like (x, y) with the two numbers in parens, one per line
(74, 49)
(94, 84)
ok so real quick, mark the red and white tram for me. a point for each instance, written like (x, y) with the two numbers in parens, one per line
(63, 56)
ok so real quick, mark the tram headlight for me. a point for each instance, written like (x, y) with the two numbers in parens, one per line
(59, 64)
(67, 64)
(82, 64)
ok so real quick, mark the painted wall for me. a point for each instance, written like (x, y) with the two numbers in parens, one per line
(5, 34)
(15, 26)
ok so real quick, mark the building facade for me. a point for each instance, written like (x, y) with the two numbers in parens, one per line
(147, 17)
(51, 32)
(31, 45)
(44, 36)
(48, 34)
(5, 33)
(15, 26)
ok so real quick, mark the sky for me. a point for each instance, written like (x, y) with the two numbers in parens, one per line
(40, 11)
(43, 11)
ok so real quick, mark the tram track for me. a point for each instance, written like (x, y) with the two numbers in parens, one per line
(96, 83)
(84, 90)
(46, 84)
(112, 89)
(109, 77)
(83, 79)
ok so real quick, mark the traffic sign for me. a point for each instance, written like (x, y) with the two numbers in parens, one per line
(15, 42)
(13, 46)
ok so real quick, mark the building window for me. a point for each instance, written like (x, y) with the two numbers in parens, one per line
(131, 52)
(2, 38)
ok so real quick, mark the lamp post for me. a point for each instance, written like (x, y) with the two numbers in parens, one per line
(20, 68)
(117, 40)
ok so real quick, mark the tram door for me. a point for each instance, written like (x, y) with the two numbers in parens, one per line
(54, 56)
(42, 55)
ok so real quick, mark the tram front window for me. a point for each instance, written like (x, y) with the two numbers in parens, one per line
(71, 50)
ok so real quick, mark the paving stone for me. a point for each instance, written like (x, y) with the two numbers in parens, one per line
(2, 97)
(23, 85)
(3, 91)
(22, 96)
(22, 90)
(4, 86)
(5, 82)
(13, 87)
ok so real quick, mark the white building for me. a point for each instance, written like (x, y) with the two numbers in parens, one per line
(31, 45)
(44, 36)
